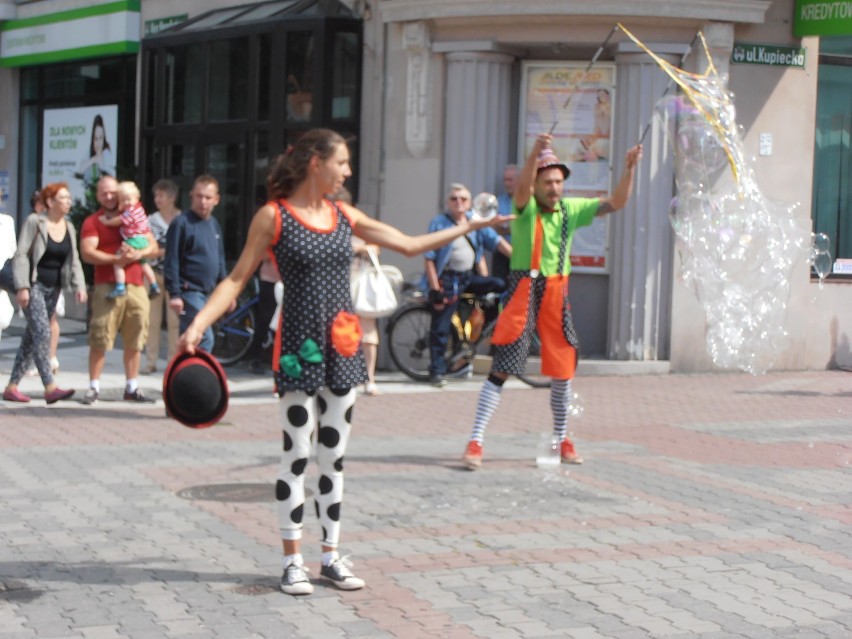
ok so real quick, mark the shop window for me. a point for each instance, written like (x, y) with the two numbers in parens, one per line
(229, 82)
(264, 74)
(239, 84)
(299, 74)
(73, 85)
(184, 85)
(832, 189)
(225, 161)
(261, 167)
(150, 76)
(345, 83)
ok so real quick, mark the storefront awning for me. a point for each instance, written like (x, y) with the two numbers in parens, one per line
(100, 30)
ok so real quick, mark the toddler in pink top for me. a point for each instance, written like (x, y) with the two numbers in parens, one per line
(133, 226)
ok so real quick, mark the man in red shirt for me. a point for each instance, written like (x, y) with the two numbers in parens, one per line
(102, 246)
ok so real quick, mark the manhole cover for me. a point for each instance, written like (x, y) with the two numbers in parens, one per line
(14, 590)
(253, 590)
(241, 493)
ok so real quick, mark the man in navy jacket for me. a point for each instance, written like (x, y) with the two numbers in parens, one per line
(195, 256)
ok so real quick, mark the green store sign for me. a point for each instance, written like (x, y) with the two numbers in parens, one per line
(822, 18)
(91, 31)
(769, 55)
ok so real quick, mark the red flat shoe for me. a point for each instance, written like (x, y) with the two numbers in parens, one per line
(56, 394)
(14, 395)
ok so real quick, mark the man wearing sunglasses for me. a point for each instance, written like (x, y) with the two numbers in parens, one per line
(459, 267)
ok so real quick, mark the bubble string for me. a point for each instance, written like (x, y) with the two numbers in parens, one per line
(671, 82)
(677, 75)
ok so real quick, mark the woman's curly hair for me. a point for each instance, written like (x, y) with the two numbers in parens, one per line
(291, 167)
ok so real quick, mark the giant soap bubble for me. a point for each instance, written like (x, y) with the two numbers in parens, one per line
(737, 249)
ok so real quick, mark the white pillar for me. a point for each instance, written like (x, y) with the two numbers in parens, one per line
(641, 237)
(478, 130)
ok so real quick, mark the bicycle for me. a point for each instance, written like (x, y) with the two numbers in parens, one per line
(234, 333)
(471, 328)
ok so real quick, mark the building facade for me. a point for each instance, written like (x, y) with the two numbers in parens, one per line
(452, 90)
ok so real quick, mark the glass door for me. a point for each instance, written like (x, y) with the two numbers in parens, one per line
(224, 159)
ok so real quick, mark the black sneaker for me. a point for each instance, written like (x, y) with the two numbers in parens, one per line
(295, 580)
(437, 381)
(138, 397)
(341, 576)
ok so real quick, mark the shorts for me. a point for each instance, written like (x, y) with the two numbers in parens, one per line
(540, 305)
(128, 314)
(371, 331)
(137, 241)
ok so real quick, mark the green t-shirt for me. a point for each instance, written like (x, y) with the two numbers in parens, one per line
(580, 212)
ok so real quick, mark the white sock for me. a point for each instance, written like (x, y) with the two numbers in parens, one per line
(328, 557)
(132, 385)
(95, 385)
(294, 559)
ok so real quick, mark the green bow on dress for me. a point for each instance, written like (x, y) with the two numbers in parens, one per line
(309, 353)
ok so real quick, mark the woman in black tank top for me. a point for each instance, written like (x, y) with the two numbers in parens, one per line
(46, 256)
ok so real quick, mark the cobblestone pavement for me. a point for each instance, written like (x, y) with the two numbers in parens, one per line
(709, 506)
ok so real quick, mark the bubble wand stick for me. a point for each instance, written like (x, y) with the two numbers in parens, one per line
(582, 76)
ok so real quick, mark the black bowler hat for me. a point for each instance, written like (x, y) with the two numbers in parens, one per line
(195, 389)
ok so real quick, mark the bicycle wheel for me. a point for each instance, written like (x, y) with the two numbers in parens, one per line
(234, 333)
(408, 341)
(532, 375)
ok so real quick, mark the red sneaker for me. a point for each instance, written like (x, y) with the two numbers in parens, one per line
(14, 395)
(568, 454)
(472, 457)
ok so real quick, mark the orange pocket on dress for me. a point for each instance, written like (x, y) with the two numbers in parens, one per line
(346, 333)
(513, 319)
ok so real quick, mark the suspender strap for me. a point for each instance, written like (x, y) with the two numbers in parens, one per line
(563, 242)
(538, 238)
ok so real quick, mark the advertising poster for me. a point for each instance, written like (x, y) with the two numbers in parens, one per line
(575, 106)
(79, 147)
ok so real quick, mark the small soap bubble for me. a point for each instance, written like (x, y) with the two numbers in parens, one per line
(575, 407)
(485, 206)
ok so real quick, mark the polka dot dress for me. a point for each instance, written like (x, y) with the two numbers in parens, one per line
(315, 267)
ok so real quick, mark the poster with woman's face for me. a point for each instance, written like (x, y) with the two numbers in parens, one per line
(79, 146)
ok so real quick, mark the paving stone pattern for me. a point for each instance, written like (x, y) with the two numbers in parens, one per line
(709, 507)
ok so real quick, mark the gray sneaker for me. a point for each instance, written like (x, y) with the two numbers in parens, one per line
(342, 577)
(295, 581)
(91, 396)
(137, 396)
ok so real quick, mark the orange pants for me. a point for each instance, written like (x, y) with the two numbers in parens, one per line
(546, 306)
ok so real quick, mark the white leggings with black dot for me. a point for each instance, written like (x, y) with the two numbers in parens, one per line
(301, 413)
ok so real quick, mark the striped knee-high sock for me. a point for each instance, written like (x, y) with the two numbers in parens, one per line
(560, 399)
(489, 400)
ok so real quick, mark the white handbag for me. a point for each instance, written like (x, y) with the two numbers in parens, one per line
(373, 291)
(7, 311)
